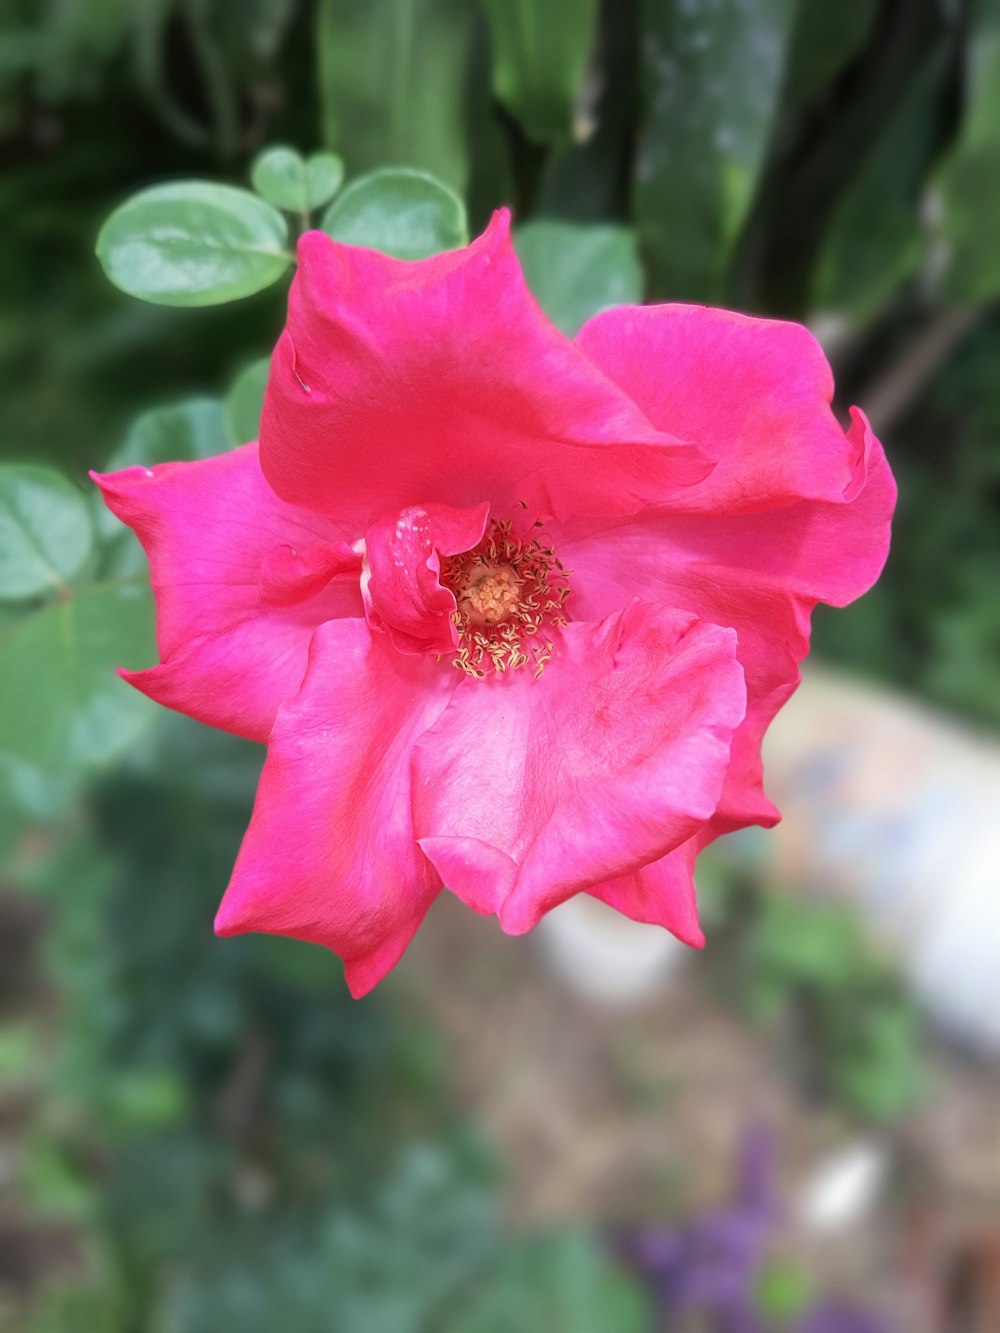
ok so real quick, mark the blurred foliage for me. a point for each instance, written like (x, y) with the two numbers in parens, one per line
(231, 1144)
(238, 1143)
(809, 971)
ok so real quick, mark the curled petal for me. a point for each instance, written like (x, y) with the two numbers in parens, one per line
(754, 394)
(396, 381)
(232, 650)
(331, 855)
(401, 589)
(818, 550)
(530, 790)
(761, 573)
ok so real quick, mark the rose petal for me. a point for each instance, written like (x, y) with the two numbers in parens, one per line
(660, 894)
(398, 382)
(754, 394)
(527, 791)
(330, 855)
(230, 654)
(289, 576)
(761, 573)
(402, 592)
(819, 550)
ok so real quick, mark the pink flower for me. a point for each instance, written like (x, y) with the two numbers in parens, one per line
(511, 611)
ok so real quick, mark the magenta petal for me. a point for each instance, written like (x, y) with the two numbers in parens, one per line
(402, 592)
(613, 757)
(761, 573)
(331, 854)
(480, 874)
(288, 576)
(229, 656)
(753, 394)
(818, 550)
(396, 383)
(772, 628)
(661, 894)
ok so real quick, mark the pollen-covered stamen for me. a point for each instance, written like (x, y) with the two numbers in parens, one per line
(508, 591)
(491, 594)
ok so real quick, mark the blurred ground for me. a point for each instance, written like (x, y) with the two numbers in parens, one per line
(610, 1115)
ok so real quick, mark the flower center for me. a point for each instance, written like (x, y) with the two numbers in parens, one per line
(490, 596)
(507, 589)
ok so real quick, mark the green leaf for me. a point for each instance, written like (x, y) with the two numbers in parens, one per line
(392, 83)
(193, 243)
(540, 54)
(279, 176)
(324, 177)
(400, 211)
(710, 78)
(282, 177)
(245, 401)
(63, 704)
(575, 270)
(45, 531)
(969, 182)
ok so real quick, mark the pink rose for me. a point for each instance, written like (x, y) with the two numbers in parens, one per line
(511, 611)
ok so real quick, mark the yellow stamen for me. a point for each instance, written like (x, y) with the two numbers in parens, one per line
(506, 589)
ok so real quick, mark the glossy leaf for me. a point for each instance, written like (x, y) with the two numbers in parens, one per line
(279, 176)
(400, 211)
(392, 83)
(193, 243)
(710, 77)
(540, 54)
(282, 177)
(324, 177)
(45, 531)
(575, 270)
(245, 401)
(64, 706)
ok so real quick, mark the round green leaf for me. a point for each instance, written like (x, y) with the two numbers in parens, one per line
(193, 243)
(402, 212)
(324, 177)
(58, 667)
(45, 531)
(279, 176)
(576, 269)
(245, 401)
